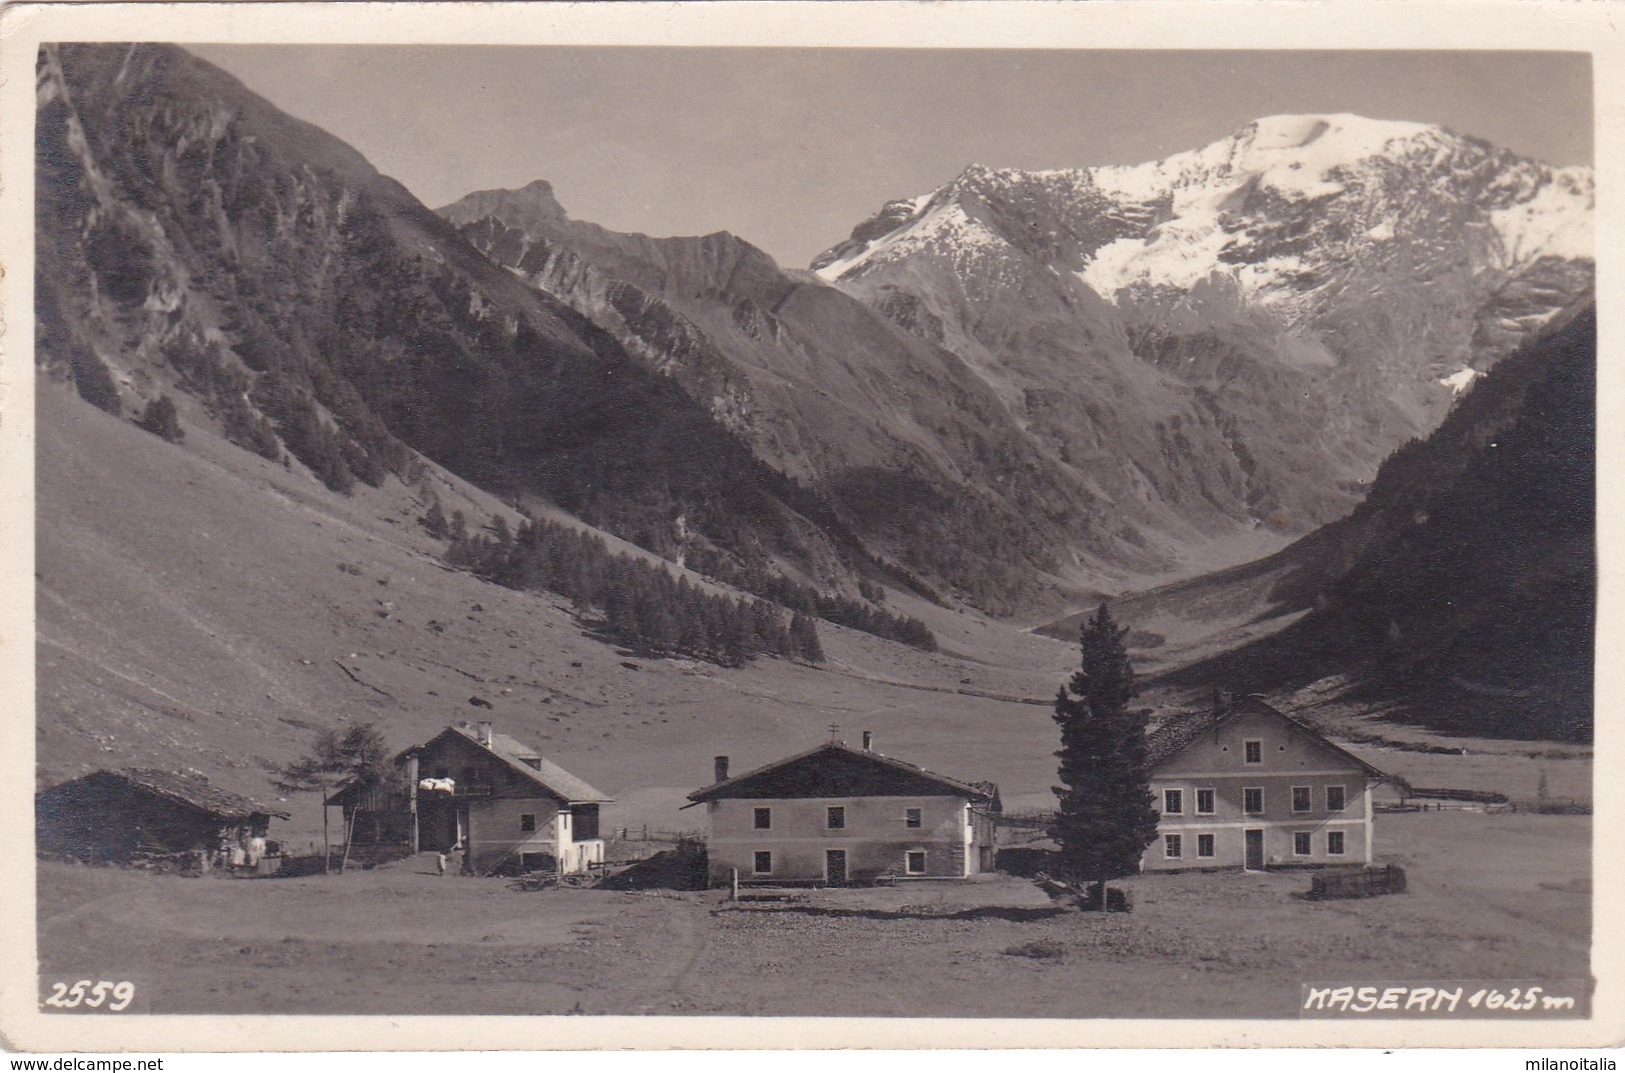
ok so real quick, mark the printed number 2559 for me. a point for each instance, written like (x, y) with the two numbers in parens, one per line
(92, 994)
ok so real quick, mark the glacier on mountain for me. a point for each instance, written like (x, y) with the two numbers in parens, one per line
(1238, 208)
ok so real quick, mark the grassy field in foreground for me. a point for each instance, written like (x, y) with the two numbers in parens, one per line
(399, 940)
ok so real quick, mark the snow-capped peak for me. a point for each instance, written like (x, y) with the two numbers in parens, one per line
(1340, 136)
(1281, 209)
(1291, 153)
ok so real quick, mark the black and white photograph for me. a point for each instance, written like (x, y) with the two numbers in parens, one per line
(973, 521)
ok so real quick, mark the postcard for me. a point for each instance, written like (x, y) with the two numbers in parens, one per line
(807, 525)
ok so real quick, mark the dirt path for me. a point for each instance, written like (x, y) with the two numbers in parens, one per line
(683, 927)
(396, 941)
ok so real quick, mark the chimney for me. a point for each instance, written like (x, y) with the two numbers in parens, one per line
(721, 769)
(1221, 700)
(485, 732)
(868, 741)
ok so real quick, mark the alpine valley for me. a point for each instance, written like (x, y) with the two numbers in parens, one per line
(1237, 335)
(991, 405)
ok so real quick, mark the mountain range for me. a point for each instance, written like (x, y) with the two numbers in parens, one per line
(1242, 332)
(907, 445)
(1010, 394)
(199, 243)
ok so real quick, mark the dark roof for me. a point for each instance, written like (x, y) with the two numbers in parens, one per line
(523, 760)
(991, 789)
(975, 791)
(1180, 729)
(546, 774)
(192, 790)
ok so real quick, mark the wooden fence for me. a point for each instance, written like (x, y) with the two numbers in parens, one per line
(1365, 884)
(645, 833)
(1483, 797)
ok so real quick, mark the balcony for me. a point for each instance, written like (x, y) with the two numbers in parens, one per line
(460, 791)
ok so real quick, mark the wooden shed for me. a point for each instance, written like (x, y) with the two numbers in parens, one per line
(143, 813)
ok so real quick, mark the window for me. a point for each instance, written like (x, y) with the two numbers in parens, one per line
(1204, 845)
(1173, 802)
(1204, 802)
(1334, 843)
(584, 822)
(915, 862)
(1254, 751)
(1252, 800)
(1301, 843)
(1301, 800)
(1336, 800)
(763, 863)
(911, 818)
(1173, 846)
(835, 817)
(763, 819)
(527, 821)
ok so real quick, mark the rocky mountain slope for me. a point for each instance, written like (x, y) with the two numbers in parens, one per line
(194, 242)
(1461, 594)
(1244, 331)
(912, 449)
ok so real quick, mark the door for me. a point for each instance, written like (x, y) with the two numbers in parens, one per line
(437, 825)
(835, 867)
(1255, 849)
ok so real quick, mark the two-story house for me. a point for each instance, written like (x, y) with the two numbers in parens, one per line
(837, 815)
(501, 801)
(1245, 785)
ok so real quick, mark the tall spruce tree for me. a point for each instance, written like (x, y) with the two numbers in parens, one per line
(1105, 820)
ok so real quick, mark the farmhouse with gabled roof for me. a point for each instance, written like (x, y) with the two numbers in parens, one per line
(504, 803)
(837, 815)
(1243, 784)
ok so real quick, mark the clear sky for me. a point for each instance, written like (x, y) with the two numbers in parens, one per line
(789, 148)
